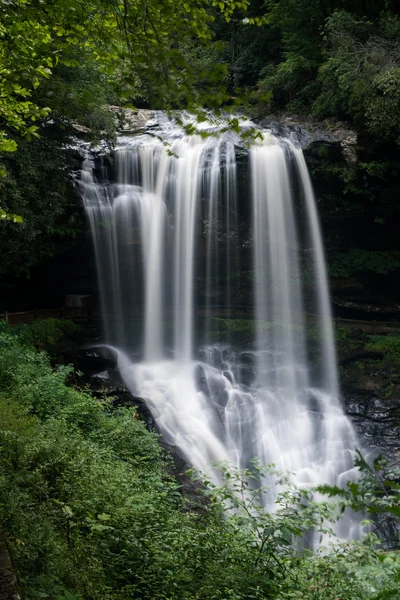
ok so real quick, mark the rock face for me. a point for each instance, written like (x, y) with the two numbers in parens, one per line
(309, 132)
(371, 398)
(376, 421)
(368, 309)
(129, 120)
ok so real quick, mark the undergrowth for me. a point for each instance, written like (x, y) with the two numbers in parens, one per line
(90, 511)
(388, 345)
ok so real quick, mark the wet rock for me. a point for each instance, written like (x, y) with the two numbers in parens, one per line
(192, 489)
(363, 308)
(228, 375)
(348, 142)
(201, 380)
(104, 382)
(216, 391)
(367, 384)
(247, 357)
(131, 120)
(314, 404)
(119, 396)
(123, 398)
(309, 132)
(360, 356)
(91, 362)
(376, 421)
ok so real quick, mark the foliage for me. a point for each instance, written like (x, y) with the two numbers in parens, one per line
(90, 512)
(40, 189)
(358, 205)
(233, 325)
(23, 46)
(79, 92)
(377, 492)
(48, 332)
(356, 260)
(243, 46)
(62, 62)
(299, 24)
(359, 78)
(60, 338)
(9, 217)
(388, 345)
(383, 108)
(345, 338)
(135, 44)
(334, 61)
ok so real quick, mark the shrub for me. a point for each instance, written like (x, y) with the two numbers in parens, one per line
(48, 332)
(90, 512)
(59, 337)
(356, 260)
(388, 345)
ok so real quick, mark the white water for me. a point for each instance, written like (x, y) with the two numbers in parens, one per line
(156, 230)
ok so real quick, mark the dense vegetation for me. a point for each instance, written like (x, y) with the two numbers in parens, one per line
(337, 60)
(90, 508)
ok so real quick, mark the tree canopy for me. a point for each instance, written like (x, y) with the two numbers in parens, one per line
(66, 59)
(63, 62)
(137, 45)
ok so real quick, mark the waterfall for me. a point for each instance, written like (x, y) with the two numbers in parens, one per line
(168, 255)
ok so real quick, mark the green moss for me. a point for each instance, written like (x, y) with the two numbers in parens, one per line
(249, 325)
(388, 345)
(356, 260)
(347, 338)
(233, 325)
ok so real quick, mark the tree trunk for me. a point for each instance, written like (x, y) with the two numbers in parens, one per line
(9, 589)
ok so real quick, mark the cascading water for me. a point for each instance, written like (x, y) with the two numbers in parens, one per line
(167, 226)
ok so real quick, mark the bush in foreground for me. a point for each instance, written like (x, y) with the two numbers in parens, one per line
(90, 512)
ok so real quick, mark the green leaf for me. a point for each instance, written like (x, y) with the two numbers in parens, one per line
(104, 517)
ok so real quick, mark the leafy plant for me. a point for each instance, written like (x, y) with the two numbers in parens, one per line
(377, 492)
(357, 260)
(90, 510)
(388, 345)
(48, 332)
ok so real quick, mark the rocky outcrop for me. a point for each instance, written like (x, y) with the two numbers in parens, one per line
(375, 419)
(371, 398)
(369, 310)
(130, 120)
(106, 385)
(309, 132)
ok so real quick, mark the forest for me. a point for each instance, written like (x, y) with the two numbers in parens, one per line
(95, 502)
(63, 63)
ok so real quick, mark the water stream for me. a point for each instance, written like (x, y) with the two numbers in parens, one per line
(165, 234)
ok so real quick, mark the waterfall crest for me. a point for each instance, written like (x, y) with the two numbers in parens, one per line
(166, 228)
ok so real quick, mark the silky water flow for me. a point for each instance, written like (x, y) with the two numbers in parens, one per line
(169, 220)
